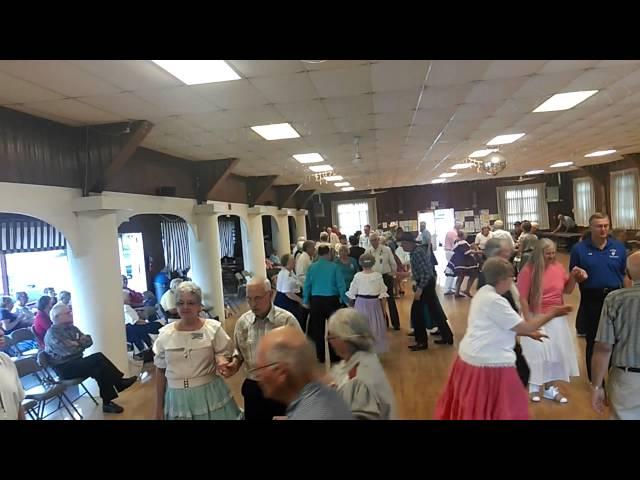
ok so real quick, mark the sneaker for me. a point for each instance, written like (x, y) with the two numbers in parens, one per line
(534, 393)
(553, 393)
(112, 408)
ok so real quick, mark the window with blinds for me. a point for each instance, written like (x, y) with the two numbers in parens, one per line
(584, 204)
(526, 202)
(624, 199)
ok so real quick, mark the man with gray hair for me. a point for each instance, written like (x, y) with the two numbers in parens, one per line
(288, 373)
(500, 232)
(617, 343)
(250, 328)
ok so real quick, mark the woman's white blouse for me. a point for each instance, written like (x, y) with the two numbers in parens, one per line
(287, 282)
(186, 355)
(367, 284)
(11, 391)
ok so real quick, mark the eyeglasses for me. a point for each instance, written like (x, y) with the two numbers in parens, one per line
(257, 369)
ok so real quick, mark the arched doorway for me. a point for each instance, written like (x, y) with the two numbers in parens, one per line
(293, 231)
(234, 255)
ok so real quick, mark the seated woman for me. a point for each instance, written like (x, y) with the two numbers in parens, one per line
(65, 344)
(137, 299)
(288, 288)
(21, 309)
(11, 322)
(359, 378)
(137, 328)
(188, 354)
(42, 321)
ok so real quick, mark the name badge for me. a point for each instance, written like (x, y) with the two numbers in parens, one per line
(197, 336)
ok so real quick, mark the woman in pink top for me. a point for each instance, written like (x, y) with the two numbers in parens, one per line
(42, 322)
(542, 283)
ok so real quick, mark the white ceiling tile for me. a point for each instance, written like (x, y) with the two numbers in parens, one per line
(303, 111)
(14, 90)
(500, 69)
(343, 82)
(129, 75)
(59, 76)
(236, 94)
(354, 124)
(555, 66)
(434, 116)
(286, 89)
(393, 120)
(75, 111)
(315, 127)
(178, 100)
(599, 78)
(127, 105)
(443, 97)
(444, 73)
(394, 75)
(349, 106)
(335, 64)
(617, 63)
(470, 111)
(266, 68)
(547, 84)
(391, 102)
(494, 90)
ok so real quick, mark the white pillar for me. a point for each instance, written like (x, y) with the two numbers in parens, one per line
(284, 242)
(206, 269)
(246, 243)
(97, 286)
(256, 243)
(301, 223)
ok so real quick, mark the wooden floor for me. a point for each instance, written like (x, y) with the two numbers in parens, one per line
(416, 377)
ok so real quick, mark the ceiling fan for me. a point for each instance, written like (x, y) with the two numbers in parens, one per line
(524, 179)
(373, 191)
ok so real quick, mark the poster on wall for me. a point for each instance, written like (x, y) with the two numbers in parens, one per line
(413, 224)
(468, 213)
(459, 216)
(478, 223)
(469, 227)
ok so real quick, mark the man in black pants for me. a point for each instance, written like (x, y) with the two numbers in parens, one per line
(250, 328)
(424, 274)
(387, 267)
(324, 290)
(598, 264)
(65, 344)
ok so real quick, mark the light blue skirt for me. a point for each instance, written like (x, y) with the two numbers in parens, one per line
(212, 401)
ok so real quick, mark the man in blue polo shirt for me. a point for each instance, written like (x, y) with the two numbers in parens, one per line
(598, 264)
(323, 292)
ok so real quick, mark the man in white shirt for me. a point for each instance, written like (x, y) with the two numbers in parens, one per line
(249, 330)
(364, 239)
(305, 258)
(386, 266)
(168, 300)
(499, 232)
(449, 240)
(333, 237)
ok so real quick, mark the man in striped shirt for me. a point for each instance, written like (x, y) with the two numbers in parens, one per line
(286, 369)
(618, 344)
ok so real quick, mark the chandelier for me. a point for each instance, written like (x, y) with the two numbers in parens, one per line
(492, 164)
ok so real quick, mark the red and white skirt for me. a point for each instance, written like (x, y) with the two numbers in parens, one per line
(482, 393)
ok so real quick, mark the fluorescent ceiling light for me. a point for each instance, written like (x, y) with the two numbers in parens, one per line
(534, 172)
(334, 178)
(276, 131)
(348, 189)
(600, 153)
(448, 175)
(564, 101)
(342, 184)
(438, 180)
(309, 157)
(504, 139)
(196, 72)
(482, 153)
(462, 166)
(561, 164)
(320, 168)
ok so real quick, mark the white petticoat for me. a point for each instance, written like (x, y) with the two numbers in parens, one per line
(555, 358)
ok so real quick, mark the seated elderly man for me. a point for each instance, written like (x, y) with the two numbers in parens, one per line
(287, 372)
(10, 322)
(21, 309)
(168, 300)
(65, 344)
(137, 328)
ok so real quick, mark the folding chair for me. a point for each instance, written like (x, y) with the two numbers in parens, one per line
(42, 393)
(23, 336)
(44, 361)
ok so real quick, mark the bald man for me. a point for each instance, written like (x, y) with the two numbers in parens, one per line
(620, 326)
(288, 372)
(262, 317)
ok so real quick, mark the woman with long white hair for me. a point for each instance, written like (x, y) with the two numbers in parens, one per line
(542, 283)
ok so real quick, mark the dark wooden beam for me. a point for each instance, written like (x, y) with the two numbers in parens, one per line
(257, 187)
(208, 174)
(302, 197)
(284, 193)
(139, 130)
